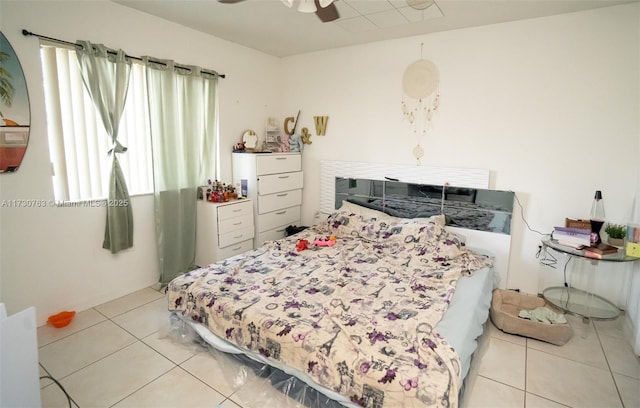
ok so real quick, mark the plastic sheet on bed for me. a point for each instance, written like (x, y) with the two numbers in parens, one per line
(254, 384)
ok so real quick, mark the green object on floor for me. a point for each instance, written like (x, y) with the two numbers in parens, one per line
(543, 315)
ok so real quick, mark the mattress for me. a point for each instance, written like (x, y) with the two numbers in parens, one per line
(463, 322)
(460, 327)
(363, 320)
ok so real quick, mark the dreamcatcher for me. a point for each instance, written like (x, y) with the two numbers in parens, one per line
(421, 98)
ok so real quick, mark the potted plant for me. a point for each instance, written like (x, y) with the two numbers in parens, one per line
(616, 233)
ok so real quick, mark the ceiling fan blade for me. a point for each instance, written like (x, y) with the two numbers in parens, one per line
(328, 13)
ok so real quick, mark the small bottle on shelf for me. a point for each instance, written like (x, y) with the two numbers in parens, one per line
(225, 192)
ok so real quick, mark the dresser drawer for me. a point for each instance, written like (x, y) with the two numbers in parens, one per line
(280, 218)
(235, 249)
(271, 235)
(271, 164)
(277, 201)
(276, 183)
(234, 237)
(235, 224)
(237, 209)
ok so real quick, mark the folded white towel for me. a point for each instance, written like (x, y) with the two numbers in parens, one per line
(543, 315)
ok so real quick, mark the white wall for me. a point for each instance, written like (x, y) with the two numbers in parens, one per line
(549, 105)
(52, 258)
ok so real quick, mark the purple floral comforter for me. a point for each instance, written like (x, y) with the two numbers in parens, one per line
(357, 317)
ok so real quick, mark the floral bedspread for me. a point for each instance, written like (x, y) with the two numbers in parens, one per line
(358, 317)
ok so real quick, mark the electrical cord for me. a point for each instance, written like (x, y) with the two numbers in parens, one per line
(565, 271)
(566, 285)
(61, 387)
(524, 219)
(543, 255)
(546, 258)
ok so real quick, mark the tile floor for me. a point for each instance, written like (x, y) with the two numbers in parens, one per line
(120, 355)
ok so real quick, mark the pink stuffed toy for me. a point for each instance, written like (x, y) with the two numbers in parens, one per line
(325, 242)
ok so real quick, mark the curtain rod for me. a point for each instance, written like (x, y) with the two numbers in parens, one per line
(28, 33)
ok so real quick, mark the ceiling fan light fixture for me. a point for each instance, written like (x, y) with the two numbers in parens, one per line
(420, 4)
(288, 3)
(325, 3)
(307, 6)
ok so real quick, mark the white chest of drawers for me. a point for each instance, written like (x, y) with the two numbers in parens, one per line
(223, 230)
(274, 184)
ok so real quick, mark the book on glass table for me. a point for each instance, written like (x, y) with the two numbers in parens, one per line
(572, 244)
(602, 249)
(593, 255)
(574, 237)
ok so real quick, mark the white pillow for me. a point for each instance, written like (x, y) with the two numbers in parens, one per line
(356, 209)
(438, 219)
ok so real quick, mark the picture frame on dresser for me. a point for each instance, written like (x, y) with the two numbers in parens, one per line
(274, 185)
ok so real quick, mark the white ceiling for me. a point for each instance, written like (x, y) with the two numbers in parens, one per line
(271, 27)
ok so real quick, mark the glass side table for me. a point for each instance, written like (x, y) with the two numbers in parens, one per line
(583, 302)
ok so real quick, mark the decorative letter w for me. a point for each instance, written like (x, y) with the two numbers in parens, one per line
(321, 124)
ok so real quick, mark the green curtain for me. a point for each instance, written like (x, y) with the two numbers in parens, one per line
(106, 76)
(182, 111)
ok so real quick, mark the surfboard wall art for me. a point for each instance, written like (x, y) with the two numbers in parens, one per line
(14, 109)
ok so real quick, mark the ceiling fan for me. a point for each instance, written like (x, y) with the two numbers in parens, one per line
(325, 9)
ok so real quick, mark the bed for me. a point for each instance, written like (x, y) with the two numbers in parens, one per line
(387, 316)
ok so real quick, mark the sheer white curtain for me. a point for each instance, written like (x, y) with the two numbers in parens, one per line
(183, 114)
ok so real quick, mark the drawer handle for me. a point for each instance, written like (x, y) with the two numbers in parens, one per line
(281, 212)
(281, 158)
(238, 210)
(282, 195)
(238, 223)
(281, 230)
(283, 177)
(236, 248)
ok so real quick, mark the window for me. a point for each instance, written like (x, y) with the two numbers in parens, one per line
(78, 143)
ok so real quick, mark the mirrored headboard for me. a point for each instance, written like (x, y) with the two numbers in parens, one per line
(482, 215)
(469, 208)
